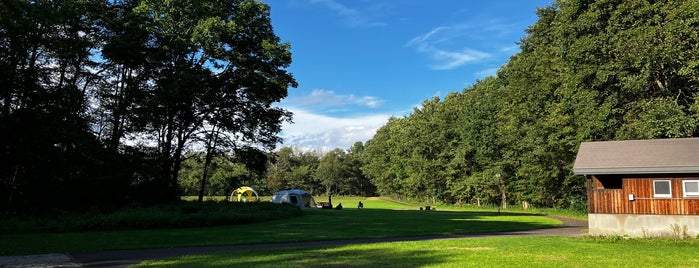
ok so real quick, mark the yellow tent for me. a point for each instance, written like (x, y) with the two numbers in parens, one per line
(245, 194)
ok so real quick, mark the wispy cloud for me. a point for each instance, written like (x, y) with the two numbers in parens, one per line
(434, 45)
(321, 132)
(372, 102)
(328, 98)
(352, 17)
(510, 49)
(487, 72)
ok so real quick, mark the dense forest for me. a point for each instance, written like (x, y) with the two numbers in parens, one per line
(146, 100)
(587, 71)
(102, 100)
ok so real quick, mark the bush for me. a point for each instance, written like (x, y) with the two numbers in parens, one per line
(176, 215)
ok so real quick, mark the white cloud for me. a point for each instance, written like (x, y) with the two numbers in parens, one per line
(372, 102)
(447, 60)
(350, 17)
(323, 133)
(432, 44)
(487, 72)
(322, 97)
(510, 49)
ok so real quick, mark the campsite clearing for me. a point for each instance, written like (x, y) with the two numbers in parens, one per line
(314, 225)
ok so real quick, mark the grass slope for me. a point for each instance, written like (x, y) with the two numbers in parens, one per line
(378, 219)
(482, 252)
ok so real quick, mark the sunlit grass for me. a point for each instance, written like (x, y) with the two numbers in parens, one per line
(561, 212)
(374, 221)
(482, 252)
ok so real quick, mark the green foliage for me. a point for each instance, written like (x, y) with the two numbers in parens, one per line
(225, 176)
(291, 169)
(337, 172)
(656, 118)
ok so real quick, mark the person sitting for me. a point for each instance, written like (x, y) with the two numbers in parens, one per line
(339, 206)
(360, 205)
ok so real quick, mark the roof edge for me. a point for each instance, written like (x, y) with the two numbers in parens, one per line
(635, 170)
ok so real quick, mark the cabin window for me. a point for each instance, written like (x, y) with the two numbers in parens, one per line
(690, 188)
(610, 181)
(661, 188)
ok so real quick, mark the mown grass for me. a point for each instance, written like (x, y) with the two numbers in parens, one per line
(482, 252)
(375, 221)
(560, 212)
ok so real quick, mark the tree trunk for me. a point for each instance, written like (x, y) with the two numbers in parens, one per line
(210, 145)
(202, 185)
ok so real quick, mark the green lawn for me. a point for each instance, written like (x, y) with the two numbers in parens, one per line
(378, 219)
(481, 252)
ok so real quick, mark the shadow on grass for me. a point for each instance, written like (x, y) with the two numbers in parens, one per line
(371, 256)
(313, 225)
(392, 223)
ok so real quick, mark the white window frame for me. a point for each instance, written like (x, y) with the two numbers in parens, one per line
(657, 195)
(684, 189)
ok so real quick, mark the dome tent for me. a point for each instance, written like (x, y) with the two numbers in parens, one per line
(244, 194)
(297, 197)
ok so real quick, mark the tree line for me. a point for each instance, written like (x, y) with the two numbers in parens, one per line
(587, 71)
(145, 100)
(337, 172)
(101, 100)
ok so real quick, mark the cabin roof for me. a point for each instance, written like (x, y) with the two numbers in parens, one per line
(660, 156)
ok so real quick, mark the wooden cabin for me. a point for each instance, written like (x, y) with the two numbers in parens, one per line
(641, 188)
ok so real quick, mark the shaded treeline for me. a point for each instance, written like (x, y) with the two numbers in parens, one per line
(100, 100)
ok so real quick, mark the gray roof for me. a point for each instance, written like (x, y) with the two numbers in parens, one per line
(661, 156)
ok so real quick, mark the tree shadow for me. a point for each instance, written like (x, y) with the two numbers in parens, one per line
(376, 255)
(398, 225)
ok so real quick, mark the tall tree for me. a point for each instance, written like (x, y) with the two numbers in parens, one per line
(332, 171)
(218, 68)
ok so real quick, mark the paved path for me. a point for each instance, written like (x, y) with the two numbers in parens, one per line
(123, 258)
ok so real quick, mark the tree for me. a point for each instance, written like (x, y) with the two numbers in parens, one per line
(292, 169)
(358, 183)
(331, 171)
(217, 69)
(119, 86)
(47, 150)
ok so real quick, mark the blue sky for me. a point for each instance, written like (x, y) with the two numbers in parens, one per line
(358, 62)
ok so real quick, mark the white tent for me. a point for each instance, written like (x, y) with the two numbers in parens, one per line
(297, 197)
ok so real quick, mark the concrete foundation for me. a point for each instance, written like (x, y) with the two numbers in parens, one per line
(635, 225)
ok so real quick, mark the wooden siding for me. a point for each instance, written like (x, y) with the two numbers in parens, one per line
(616, 201)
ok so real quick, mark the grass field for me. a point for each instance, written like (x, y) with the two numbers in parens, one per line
(481, 252)
(378, 219)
